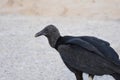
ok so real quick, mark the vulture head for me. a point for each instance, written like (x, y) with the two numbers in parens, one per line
(51, 32)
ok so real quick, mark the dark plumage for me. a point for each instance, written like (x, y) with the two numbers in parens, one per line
(84, 53)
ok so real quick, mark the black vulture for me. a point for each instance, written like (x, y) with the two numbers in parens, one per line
(84, 53)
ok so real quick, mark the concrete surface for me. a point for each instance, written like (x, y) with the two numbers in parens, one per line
(93, 9)
(24, 57)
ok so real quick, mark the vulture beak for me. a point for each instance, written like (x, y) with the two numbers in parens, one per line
(40, 33)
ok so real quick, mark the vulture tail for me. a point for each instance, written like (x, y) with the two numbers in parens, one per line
(116, 76)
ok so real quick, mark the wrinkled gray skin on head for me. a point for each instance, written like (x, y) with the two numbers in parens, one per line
(51, 32)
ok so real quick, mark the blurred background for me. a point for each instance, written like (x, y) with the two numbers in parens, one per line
(24, 57)
(100, 9)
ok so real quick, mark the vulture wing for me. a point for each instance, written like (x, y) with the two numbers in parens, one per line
(94, 45)
(84, 44)
(103, 47)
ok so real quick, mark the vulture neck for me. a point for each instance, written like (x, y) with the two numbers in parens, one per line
(52, 39)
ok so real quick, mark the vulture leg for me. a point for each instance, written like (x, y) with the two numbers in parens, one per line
(91, 77)
(78, 75)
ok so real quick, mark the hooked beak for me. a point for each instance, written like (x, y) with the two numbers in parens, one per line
(39, 33)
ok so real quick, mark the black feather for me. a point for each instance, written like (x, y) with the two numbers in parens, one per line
(116, 76)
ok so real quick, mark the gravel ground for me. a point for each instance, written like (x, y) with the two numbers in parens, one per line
(24, 57)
